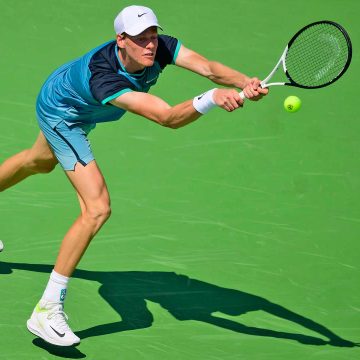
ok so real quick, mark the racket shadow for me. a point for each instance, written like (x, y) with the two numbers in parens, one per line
(185, 299)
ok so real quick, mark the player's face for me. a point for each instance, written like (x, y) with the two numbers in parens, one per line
(141, 49)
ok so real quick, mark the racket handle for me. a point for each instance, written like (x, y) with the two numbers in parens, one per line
(242, 95)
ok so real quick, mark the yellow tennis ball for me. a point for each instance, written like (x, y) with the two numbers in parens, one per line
(292, 104)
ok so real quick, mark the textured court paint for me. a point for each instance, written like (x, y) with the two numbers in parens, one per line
(255, 207)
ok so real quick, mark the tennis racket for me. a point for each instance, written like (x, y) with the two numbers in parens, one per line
(316, 56)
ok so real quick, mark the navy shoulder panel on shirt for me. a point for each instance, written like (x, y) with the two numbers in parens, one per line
(105, 80)
(109, 78)
(166, 51)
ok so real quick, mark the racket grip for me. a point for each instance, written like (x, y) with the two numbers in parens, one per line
(242, 95)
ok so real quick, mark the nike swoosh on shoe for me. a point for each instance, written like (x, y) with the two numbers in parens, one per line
(57, 333)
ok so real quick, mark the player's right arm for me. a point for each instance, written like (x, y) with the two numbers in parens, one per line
(157, 110)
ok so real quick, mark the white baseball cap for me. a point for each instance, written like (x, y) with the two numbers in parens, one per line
(134, 19)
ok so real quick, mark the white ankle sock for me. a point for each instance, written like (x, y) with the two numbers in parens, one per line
(56, 288)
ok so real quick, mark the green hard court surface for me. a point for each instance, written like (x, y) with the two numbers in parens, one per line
(236, 237)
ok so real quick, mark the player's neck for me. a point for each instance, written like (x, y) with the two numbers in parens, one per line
(130, 65)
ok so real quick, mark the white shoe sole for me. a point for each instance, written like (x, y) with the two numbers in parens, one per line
(36, 330)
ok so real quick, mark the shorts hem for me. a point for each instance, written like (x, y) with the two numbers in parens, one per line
(84, 162)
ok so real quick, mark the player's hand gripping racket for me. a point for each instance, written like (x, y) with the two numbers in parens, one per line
(315, 57)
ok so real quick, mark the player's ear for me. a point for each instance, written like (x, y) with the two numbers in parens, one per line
(120, 40)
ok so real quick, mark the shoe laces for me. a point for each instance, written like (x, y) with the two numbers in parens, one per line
(56, 313)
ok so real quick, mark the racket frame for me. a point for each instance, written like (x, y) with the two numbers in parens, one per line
(282, 60)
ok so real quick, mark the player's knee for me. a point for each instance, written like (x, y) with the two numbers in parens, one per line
(44, 167)
(99, 212)
(36, 165)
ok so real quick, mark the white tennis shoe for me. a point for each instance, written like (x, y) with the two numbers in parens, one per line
(49, 322)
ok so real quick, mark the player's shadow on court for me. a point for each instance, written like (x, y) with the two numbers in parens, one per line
(185, 299)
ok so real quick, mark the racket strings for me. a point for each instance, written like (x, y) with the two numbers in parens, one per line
(317, 55)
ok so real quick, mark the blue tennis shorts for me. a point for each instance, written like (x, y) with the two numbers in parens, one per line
(68, 142)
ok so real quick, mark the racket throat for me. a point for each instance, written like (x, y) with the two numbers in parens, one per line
(265, 82)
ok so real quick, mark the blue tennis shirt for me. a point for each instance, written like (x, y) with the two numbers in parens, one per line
(79, 91)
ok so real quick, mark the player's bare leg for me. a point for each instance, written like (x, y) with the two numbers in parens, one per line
(48, 319)
(94, 201)
(38, 159)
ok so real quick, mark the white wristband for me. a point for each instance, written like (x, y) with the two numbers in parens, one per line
(204, 103)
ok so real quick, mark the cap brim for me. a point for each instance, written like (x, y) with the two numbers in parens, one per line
(139, 29)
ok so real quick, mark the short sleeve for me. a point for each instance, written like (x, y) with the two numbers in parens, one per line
(105, 83)
(168, 49)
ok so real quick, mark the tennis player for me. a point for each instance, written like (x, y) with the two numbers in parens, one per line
(101, 86)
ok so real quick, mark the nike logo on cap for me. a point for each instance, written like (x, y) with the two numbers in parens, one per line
(57, 333)
(140, 15)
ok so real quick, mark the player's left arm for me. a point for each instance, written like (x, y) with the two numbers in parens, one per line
(219, 73)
